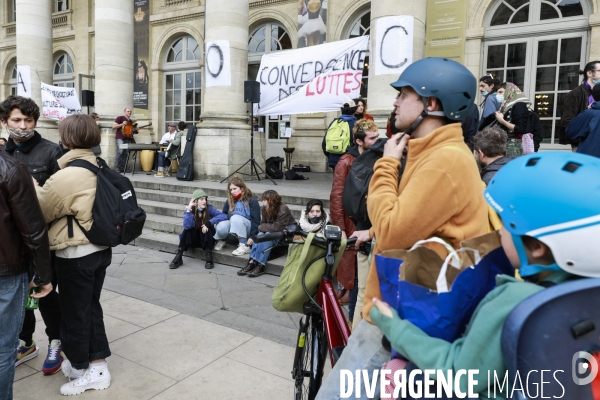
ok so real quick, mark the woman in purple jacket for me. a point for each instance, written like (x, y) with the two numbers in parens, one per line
(199, 222)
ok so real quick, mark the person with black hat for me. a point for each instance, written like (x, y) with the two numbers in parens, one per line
(199, 221)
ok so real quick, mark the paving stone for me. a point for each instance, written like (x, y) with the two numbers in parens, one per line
(136, 312)
(179, 346)
(255, 352)
(128, 381)
(227, 378)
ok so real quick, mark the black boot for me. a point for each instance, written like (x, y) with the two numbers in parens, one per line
(209, 260)
(177, 261)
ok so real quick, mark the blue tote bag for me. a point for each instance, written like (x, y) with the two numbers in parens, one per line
(445, 312)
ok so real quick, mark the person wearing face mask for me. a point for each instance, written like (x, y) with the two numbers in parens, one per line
(199, 221)
(275, 217)
(314, 218)
(243, 217)
(489, 148)
(41, 158)
(488, 86)
(578, 100)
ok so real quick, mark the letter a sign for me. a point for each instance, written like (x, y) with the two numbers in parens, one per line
(23, 80)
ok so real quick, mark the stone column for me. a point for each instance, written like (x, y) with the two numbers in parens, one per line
(381, 95)
(223, 142)
(34, 48)
(113, 67)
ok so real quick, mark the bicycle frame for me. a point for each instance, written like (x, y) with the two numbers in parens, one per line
(336, 326)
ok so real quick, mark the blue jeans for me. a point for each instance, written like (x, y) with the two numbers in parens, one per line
(364, 351)
(237, 225)
(257, 250)
(13, 294)
(162, 159)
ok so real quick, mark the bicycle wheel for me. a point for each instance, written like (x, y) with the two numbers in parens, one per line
(310, 358)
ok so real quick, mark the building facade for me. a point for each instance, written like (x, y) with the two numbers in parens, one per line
(538, 44)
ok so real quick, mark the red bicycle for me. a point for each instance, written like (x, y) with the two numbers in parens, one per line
(323, 328)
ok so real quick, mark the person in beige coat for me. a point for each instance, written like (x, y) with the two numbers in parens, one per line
(80, 265)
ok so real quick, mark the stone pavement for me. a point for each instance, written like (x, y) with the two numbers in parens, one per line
(188, 333)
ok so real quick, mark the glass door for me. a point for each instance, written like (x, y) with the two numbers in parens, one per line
(556, 74)
(275, 134)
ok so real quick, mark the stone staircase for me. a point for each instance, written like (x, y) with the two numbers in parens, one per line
(164, 202)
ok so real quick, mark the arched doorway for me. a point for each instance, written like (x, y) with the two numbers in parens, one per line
(182, 81)
(540, 46)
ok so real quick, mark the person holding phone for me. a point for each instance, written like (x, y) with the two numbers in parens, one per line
(199, 221)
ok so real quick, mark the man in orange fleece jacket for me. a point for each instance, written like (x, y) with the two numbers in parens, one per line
(440, 193)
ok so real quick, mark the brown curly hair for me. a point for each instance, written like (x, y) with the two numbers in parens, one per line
(274, 200)
(246, 193)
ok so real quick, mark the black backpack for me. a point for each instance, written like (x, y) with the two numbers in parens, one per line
(272, 166)
(356, 187)
(117, 217)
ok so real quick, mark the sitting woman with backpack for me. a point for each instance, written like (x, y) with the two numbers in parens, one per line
(243, 217)
(275, 217)
(516, 119)
(314, 218)
(80, 265)
(199, 221)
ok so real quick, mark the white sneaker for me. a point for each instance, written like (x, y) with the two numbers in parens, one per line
(219, 245)
(241, 250)
(95, 377)
(69, 371)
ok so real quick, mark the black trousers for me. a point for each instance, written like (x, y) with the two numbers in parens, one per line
(195, 238)
(49, 307)
(82, 329)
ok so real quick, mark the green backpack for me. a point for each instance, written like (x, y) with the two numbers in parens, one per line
(288, 295)
(337, 138)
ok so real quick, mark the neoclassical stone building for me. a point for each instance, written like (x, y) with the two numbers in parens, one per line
(89, 45)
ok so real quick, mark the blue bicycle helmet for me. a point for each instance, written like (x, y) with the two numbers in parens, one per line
(448, 81)
(555, 198)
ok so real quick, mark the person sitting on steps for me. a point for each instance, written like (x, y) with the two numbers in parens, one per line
(275, 217)
(314, 218)
(199, 222)
(243, 217)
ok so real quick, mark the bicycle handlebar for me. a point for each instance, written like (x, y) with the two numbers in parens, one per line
(290, 233)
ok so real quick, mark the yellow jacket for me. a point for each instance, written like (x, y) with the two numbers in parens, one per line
(440, 194)
(70, 191)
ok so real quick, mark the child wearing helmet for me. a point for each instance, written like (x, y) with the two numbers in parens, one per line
(545, 237)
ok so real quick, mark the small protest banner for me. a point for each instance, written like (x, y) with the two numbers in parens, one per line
(59, 102)
(312, 79)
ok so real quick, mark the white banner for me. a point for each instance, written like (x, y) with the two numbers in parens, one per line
(311, 79)
(218, 63)
(59, 102)
(23, 80)
(393, 47)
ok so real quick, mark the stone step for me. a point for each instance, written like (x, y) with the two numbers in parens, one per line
(169, 243)
(173, 204)
(163, 223)
(213, 189)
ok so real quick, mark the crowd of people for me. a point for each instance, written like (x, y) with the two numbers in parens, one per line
(425, 181)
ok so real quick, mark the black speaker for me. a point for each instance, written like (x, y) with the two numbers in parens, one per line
(251, 92)
(87, 98)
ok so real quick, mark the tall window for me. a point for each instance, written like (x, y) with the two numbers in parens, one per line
(12, 82)
(61, 5)
(63, 71)
(183, 82)
(361, 27)
(543, 63)
(266, 39)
